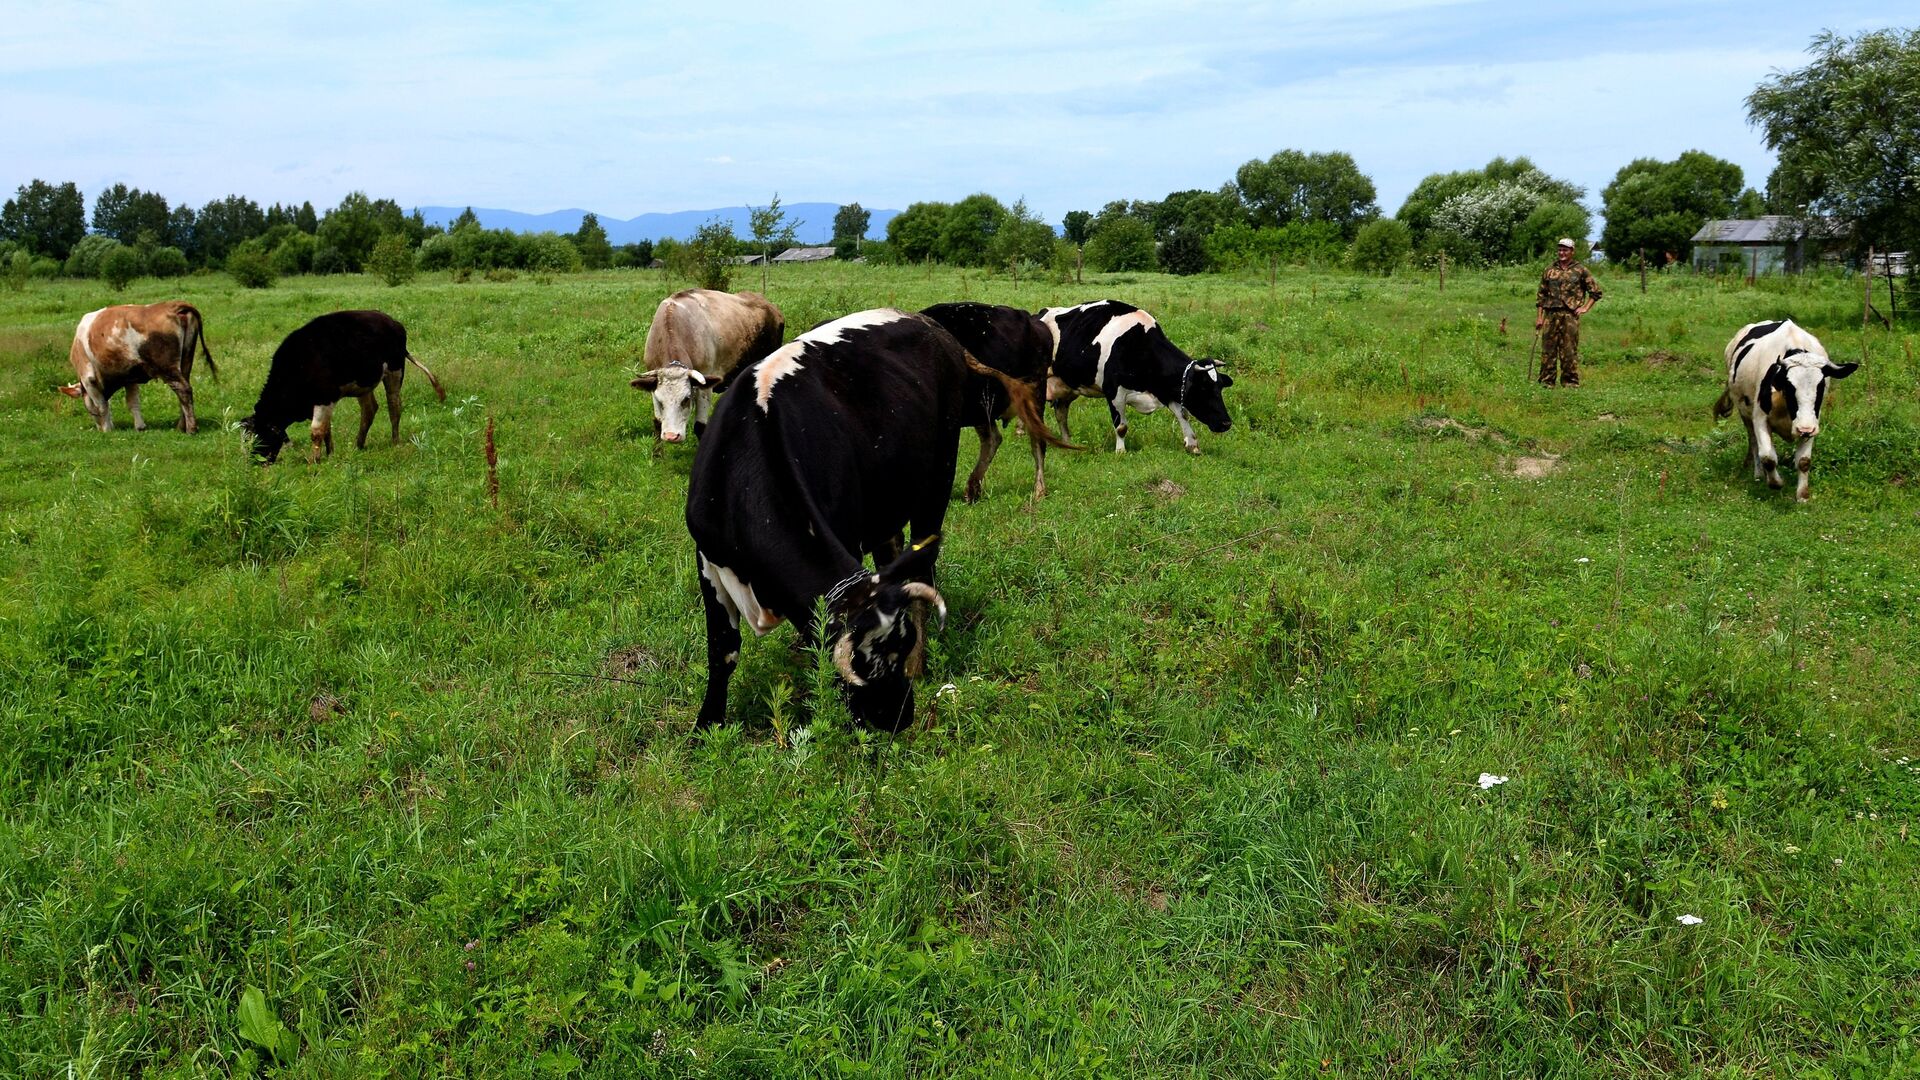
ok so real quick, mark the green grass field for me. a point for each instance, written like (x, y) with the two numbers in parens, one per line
(284, 787)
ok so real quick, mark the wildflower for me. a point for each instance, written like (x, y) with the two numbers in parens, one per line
(946, 690)
(1791, 849)
(1839, 862)
(1488, 781)
(1689, 920)
(1455, 731)
(1582, 558)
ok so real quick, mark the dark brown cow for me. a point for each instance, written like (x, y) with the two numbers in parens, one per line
(129, 344)
(1012, 342)
(698, 338)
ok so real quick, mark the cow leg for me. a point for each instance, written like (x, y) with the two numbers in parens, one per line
(1039, 466)
(1119, 412)
(393, 380)
(702, 410)
(1766, 460)
(1803, 465)
(183, 390)
(321, 433)
(1752, 456)
(1060, 408)
(989, 446)
(1186, 429)
(96, 398)
(133, 406)
(368, 409)
(723, 648)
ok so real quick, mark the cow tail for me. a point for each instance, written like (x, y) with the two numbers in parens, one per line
(1725, 405)
(437, 388)
(1025, 406)
(200, 335)
(194, 332)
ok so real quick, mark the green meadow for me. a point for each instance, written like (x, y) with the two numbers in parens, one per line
(341, 770)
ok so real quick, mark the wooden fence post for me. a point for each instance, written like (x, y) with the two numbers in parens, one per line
(1443, 271)
(1643, 270)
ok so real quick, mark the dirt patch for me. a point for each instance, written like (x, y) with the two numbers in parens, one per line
(1167, 489)
(1606, 416)
(1537, 468)
(323, 706)
(1660, 358)
(633, 658)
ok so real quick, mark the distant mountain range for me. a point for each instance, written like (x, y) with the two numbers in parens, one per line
(816, 221)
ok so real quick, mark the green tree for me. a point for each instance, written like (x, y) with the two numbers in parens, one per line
(44, 218)
(391, 259)
(1543, 228)
(552, 253)
(1197, 212)
(591, 241)
(707, 258)
(1023, 241)
(1656, 206)
(770, 227)
(1437, 189)
(1294, 186)
(294, 254)
(467, 219)
(85, 260)
(966, 236)
(1123, 242)
(1382, 246)
(166, 262)
(223, 225)
(124, 213)
(249, 265)
(914, 233)
(306, 220)
(120, 266)
(850, 224)
(1846, 133)
(1074, 227)
(353, 227)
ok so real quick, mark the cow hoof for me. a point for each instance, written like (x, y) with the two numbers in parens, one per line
(1775, 483)
(973, 493)
(1194, 449)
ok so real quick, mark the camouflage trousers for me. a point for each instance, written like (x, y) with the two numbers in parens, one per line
(1560, 345)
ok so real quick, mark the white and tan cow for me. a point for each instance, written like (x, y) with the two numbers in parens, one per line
(699, 337)
(1777, 378)
(129, 344)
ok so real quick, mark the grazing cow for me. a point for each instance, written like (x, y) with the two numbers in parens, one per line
(1012, 342)
(129, 344)
(820, 455)
(346, 353)
(698, 338)
(1116, 351)
(1777, 376)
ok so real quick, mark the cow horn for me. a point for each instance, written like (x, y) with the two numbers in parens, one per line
(843, 659)
(920, 590)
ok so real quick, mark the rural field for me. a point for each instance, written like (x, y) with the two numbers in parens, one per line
(289, 785)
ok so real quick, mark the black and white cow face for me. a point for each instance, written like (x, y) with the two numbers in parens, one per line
(1200, 389)
(1792, 393)
(673, 388)
(878, 630)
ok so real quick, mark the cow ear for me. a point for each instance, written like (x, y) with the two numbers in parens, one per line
(1839, 371)
(71, 389)
(914, 564)
(696, 377)
(647, 381)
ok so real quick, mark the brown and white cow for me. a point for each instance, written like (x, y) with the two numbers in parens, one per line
(698, 338)
(129, 344)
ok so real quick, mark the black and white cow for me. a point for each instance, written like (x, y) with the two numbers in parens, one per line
(819, 455)
(1012, 342)
(1777, 377)
(1116, 351)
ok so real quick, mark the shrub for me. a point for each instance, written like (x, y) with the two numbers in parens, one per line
(294, 254)
(1382, 245)
(708, 257)
(436, 253)
(502, 273)
(87, 255)
(44, 267)
(167, 262)
(1126, 243)
(391, 260)
(120, 266)
(250, 266)
(552, 253)
(1184, 252)
(18, 266)
(330, 260)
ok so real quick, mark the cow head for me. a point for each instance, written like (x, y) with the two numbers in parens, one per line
(1200, 387)
(1792, 392)
(267, 438)
(672, 387)
(877, 631)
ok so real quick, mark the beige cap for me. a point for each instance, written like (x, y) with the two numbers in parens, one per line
(1565, 242)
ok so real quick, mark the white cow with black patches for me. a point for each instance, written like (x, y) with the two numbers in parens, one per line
(1777, 377)
(1112, 350)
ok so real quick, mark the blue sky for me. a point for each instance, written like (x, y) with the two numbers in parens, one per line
(630, 108)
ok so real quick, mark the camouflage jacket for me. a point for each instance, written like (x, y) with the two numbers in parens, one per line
(1565, 288)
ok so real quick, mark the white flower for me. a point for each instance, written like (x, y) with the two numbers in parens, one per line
(946, 690)
(1791, 850)
(1583, 558)
(1488, 781)
(1689, 920)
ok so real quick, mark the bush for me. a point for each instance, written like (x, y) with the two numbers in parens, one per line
(1125, 243)
(436, 253)
(294, 254)
(120, 266)
(330, 260)
(391, 260)
(1184, 252)
(18, 266)
(87, 255)
(1382, 245)
(167, 262)
(707, 258)
(552, 253)
(502, 273)
(44, 267)
(250, 266)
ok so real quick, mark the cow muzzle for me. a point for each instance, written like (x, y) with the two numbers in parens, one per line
(1805, 431)
(673, 436)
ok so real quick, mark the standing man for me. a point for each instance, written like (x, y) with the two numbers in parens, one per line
(1567, 291)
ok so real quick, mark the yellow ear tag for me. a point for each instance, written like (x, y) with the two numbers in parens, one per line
(924, 543)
